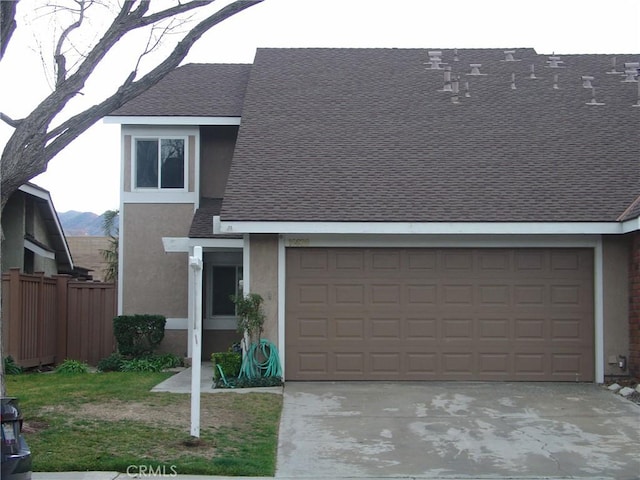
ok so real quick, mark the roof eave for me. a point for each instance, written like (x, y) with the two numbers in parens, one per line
(171, 120)
(425, 228)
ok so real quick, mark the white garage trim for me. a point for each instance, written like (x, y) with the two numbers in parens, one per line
(598, 310)
(282, 277)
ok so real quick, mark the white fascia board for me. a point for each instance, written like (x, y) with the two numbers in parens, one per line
(185, 244)
(134, 120)
(405, 228)
(38, 250)
(632, 225)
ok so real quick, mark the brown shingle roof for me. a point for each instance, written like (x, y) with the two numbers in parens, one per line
(633, 211)
(366, 135)
(202, 223)
(193, 90)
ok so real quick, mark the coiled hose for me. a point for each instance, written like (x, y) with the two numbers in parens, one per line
(252, 367)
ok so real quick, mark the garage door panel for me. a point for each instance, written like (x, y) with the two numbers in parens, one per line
(448, 314)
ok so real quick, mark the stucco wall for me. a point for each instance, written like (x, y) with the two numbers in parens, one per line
(634, 305)
(264, 280)
(13, 233)
(216, 151)
(154, 281)
(42, 264)
(615, 250)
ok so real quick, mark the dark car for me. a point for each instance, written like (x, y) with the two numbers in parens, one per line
(16, 456)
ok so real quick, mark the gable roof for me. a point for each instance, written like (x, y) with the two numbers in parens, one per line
(193, 90)
(366, 135)
(55, 233)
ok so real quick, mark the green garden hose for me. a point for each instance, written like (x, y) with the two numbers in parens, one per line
(252, 367)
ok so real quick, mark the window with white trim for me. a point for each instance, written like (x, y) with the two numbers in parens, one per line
(160, 163)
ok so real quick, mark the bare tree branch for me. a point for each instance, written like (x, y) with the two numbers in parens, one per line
(66, 132)
(9, 121)
(7, 24)
(32, 145)
(60, 59)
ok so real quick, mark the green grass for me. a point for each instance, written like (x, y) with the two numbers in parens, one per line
(110, 421)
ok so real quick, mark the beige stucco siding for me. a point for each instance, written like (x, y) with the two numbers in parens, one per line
(154, 281)
(216, 151)
(264, 280)
(13, 233)
(616, 300)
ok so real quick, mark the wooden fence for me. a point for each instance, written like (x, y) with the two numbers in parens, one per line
(46, 320)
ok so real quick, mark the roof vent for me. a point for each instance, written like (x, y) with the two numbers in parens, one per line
(593, 98)
(513, 81)
(555, 82)
(554, 62)
(447, 80)
(508, 56)
(435, 59)
(455, 89)
(631, 71)
(532, 75)
(475, 69)
(586, 81)
(455, 55)
(613, 70)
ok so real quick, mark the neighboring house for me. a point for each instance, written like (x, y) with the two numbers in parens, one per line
(406, 214)
(86, 250)
(33, 240)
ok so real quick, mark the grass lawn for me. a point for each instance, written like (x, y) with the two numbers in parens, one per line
(110, 421)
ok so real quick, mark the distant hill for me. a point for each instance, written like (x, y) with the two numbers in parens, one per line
(82, 223)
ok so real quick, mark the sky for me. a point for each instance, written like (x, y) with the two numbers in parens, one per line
(86, 176)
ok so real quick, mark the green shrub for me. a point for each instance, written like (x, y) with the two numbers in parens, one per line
(138, 335)
(230, 362)
(245, 382)
(251, 316)
(140, 365)
(112, 363)
(151, 363)
(11, 367)
(72, 366)
(168, 360)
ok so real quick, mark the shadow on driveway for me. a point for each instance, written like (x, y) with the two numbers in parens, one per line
(453, 430)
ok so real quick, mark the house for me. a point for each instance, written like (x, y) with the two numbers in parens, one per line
(33, 239)
(407, 214)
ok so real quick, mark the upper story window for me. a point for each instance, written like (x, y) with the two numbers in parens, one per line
(160, 163)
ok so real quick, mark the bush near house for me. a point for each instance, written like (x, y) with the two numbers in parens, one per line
(230, 363)
(117, 362)
(138, 335)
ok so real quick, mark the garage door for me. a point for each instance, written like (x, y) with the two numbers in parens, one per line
(439, 314)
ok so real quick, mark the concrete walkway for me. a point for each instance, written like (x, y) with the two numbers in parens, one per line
(181, 383)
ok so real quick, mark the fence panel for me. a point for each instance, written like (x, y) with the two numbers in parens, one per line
(90, 311)
(46, 320)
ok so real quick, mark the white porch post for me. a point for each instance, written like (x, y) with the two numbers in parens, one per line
(195, 327)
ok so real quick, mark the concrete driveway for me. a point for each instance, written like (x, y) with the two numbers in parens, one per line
(457, 430)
